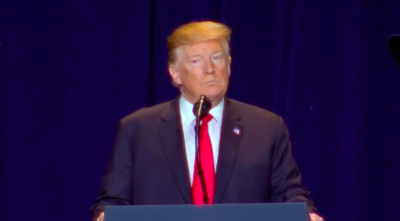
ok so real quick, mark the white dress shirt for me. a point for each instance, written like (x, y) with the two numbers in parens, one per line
(188, 121)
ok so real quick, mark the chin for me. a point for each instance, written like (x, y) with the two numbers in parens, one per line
(214, 94)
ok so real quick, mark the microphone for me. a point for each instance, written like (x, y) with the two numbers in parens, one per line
(394, 47)
(202, 107)
(200, 110)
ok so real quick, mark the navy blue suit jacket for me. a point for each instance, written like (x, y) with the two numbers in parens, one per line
(149, 167)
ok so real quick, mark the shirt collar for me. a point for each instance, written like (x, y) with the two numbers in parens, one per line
(186, 109)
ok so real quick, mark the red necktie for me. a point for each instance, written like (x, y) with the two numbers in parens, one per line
(207, 162)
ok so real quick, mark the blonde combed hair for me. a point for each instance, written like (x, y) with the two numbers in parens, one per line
(196, 32)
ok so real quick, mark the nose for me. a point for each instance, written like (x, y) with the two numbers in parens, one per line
(209, 67)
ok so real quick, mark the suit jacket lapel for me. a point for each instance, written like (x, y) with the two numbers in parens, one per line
(231, 133)
(172, 139)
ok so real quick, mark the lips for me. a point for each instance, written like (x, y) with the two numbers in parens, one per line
(211, 82)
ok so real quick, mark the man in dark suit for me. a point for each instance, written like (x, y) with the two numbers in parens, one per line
(246, 151)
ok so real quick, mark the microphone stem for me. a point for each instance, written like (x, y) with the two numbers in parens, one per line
(200, 171)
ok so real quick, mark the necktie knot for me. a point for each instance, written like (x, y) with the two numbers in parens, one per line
(207, 119)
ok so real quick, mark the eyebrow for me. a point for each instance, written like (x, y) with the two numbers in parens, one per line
(200, 55)
(194, 55)
(219, 51)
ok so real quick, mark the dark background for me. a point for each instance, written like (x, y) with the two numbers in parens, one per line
(69, 70)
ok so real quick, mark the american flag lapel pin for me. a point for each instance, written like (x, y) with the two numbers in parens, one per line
(236, 131)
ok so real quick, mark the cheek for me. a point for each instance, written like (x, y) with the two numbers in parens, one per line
(192, 76)
(224, 72)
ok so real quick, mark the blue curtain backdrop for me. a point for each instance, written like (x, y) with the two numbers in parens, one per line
(69, 70)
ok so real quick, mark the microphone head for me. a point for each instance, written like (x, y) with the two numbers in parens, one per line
(394, 47)
(205, 105)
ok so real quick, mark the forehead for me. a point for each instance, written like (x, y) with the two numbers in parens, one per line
(208, 47)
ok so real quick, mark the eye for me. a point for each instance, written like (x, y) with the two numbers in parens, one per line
(217, 57)
(195, 61)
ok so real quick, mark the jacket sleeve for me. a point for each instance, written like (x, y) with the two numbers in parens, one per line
(286, 177)
(117, 184)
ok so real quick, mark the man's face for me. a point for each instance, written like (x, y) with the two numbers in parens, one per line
(202, 69)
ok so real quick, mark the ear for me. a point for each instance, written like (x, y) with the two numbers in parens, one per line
(175, 74)
(229, 65)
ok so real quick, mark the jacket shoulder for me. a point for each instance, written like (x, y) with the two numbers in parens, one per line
(248, 110)
(147, 113)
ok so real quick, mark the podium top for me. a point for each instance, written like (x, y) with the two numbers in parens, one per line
(216, 212)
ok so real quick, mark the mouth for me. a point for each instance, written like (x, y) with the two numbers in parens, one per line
(213, 82)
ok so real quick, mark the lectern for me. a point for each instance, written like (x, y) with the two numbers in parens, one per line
(216, 212)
